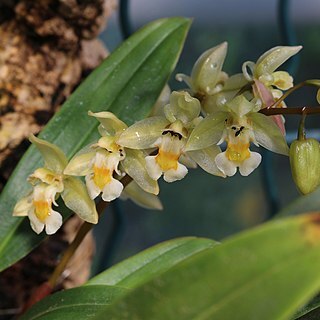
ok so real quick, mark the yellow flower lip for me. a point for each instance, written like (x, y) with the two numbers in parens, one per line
(101, 176)
(167, 160)
(238, 152)
(42, 209)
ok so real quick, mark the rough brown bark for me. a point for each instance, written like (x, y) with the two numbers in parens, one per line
(46, 48)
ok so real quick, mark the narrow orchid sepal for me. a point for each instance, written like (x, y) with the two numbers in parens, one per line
(143, 134)
(53, 156)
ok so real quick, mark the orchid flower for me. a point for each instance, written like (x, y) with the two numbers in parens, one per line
(238, 125)
(49, 183)
(206, 75)
(264, 73)
(209, 83)
(103, 160)
(168, 134)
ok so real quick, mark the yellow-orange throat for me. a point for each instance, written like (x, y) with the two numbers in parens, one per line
(167, 160)
(101, 176)
(238, 152)
(42, 210)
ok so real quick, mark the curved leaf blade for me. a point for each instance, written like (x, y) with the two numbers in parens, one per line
(127, 83)
(152, 262)
(80, 303)
(252, 275)
(87, 301)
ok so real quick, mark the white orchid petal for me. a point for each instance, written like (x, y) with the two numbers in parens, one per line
(175, 174)
(53, 222)
(248, 165)
(205, 158)
(229, 168)
(112, 190)
(93, 190)
(153, 167)
(207, 132)
(143, 134)
(268, 134)
(36, 225)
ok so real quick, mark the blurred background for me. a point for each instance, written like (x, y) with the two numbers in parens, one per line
(203, 205)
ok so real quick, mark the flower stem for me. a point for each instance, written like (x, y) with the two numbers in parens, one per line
(83, 231)
(312, 83)
(290, 111)
(301, 130)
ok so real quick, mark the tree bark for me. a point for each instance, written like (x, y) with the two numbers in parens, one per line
(46, 48)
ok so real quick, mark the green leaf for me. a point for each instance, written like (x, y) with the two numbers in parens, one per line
(78, 303)
(127, 83)
(87, 301)
(152, 262)
(311, 311)
(306, 203)
(265, 273)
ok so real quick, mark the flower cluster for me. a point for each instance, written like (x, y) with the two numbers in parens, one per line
(185, 130)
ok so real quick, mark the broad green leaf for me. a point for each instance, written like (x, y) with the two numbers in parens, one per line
(311, 311)
(265, 273)
(152, 262)
(79, 303)
(87, 301)
(127, 83)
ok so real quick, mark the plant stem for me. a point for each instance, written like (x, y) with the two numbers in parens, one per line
(83, 231)
(301, 130)
(290, 111)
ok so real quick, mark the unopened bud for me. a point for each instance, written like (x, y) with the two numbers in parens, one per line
(305, 164)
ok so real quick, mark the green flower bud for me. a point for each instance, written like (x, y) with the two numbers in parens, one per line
(305, 164)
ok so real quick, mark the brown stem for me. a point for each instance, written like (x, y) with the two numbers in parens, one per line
(290, 111)
(84, 229)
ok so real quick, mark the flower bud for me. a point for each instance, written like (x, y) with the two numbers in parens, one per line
(305, 164)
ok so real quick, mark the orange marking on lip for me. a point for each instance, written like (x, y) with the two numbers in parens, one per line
(42, 210)
(167, 160)
(238, 152)
(101, 176)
